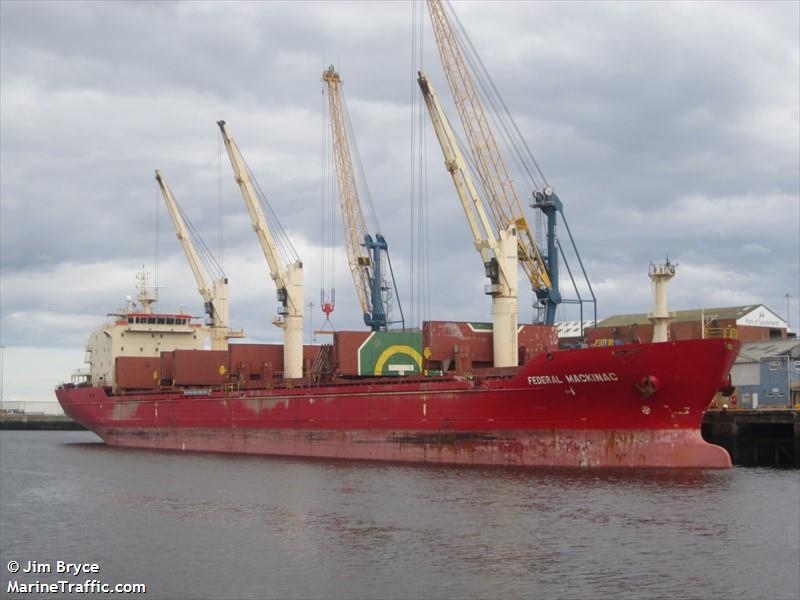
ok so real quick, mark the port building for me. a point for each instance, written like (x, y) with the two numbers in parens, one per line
(749, 323)
(767, 374)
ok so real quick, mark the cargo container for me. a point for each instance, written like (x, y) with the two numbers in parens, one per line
(136, 372)
(450, 343)
(167, 371)
(345, 351)
(258, 362)
(378, 353)
(251, 362)
(310, 352)
(536, 338)
(200, 367)
(445, 339)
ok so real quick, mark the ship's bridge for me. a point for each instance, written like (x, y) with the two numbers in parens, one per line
(147, 321)
(140, 334)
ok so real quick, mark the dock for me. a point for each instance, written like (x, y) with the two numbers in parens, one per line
(756, 438)
(39, 422)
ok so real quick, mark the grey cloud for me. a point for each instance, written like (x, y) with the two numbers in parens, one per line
(630, 108)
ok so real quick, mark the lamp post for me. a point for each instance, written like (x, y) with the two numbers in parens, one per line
(2, 375)
(787, 295)
(310, 307)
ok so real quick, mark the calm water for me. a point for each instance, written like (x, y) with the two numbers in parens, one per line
(207, 526)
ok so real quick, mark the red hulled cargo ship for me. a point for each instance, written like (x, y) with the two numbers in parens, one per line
(463, 393)
(637, 405)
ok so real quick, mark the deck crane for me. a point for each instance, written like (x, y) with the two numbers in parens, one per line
(364, 250)
(501, 195)
(285, 266)
(216, 297)
(499, 254)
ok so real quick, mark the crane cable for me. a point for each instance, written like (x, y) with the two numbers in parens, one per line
(327, 215)
(207, 258)
(418, 201)
(219, 200)
(508, 130)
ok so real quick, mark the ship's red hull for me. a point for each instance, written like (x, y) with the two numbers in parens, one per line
(632, 406)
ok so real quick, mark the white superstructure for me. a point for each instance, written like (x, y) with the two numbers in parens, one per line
(138, 331)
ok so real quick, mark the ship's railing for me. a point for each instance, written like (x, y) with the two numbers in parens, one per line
(728, 333)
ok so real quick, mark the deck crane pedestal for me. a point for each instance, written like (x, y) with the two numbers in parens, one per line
(286, 273)
(366, 267)
(499, 254)
(215, 298)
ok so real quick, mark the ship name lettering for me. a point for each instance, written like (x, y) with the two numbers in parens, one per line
(543, 379)
(572, 378)
(591, 377)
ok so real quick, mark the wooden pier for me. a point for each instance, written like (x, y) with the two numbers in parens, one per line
(756, 438)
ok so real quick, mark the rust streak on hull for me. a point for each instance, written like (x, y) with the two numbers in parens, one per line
(565, 448)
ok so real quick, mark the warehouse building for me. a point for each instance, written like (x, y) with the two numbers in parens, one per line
(750, 323)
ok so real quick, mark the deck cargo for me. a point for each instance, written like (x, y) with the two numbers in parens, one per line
(251, 362)
(167, 371)
(200, 367)
(471, 343)
(136, 372)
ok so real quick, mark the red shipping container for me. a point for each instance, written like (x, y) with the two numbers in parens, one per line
(137, 372)
(537, 338)
(247, 361)
(200, 367)
(310, 353)
(167, 372)
(444, 337)
(345, 350)
(449, 339)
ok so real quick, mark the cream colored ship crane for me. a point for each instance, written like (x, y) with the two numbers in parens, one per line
(501, 196)
(216, 298)
(364, 251)
(499, 255)
(286, 271)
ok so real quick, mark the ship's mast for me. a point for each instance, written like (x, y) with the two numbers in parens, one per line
(287, 275)
(145, 298)
(660, 274)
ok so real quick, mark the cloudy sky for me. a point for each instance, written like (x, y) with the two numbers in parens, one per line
(666, 128)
